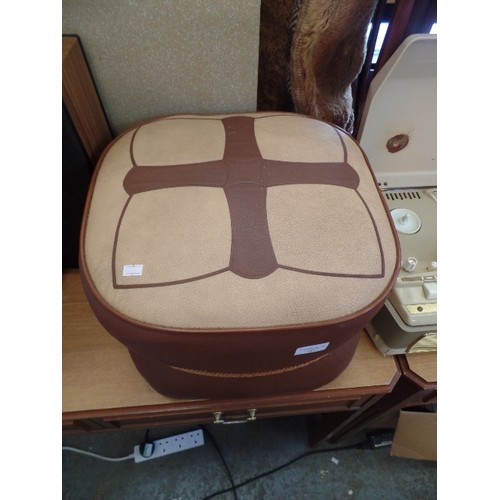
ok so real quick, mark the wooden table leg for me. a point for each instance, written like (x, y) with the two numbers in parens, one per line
(409, 390)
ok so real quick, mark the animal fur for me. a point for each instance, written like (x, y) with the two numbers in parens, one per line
(320, 54)
(272, 92)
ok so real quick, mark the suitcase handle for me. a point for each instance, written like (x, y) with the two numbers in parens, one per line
(219, 420)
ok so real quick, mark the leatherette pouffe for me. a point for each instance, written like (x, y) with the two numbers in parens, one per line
(236, 255)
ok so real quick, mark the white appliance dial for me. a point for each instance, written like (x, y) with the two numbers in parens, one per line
(406, 221)
(410, 264)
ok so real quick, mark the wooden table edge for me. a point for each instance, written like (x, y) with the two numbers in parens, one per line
(405, 369)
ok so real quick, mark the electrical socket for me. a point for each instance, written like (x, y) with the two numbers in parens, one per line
(172, 444)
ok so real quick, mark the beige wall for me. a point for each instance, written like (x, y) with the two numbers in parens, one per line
(153, 57)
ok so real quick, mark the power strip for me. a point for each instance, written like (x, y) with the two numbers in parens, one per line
(167, 446)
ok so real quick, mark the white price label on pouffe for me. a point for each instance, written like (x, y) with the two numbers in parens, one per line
(133, 269)
(308, 349)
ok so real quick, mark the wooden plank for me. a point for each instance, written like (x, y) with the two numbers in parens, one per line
(81, 100)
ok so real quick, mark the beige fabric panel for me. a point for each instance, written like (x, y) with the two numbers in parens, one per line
(229, 301)
(297, 138)
(106, 206)
(374, 201)
(195, 238)
(307, 221)
(190, 141)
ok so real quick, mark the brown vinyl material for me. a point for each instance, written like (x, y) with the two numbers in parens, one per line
(261, 247)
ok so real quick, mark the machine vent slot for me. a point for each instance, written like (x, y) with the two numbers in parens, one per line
(403, 195)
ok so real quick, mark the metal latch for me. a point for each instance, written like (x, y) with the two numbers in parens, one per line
(219, 420)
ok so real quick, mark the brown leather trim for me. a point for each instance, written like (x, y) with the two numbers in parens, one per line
(252, 253)
(168, 283)
(131, 147)
(281, 173)
(248, 374)
(143, 179)
(344, 147)
(332, 275)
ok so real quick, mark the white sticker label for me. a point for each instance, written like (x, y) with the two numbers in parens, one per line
(132, 270)
(308, 349)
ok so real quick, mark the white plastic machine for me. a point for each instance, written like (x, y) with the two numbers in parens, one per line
(398, 132)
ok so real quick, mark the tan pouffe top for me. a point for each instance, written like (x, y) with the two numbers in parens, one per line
(236, 221)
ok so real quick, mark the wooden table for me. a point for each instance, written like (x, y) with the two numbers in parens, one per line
(421, 369)
(103, 390)
(417, 386)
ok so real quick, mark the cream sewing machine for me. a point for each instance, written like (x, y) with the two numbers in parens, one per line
(398, 133)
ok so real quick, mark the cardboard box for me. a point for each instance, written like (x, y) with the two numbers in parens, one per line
(415, 436)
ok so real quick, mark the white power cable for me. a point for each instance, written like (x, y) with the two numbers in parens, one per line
(95, 455)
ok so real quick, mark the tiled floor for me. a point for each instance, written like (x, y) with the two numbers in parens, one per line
(249, 450)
